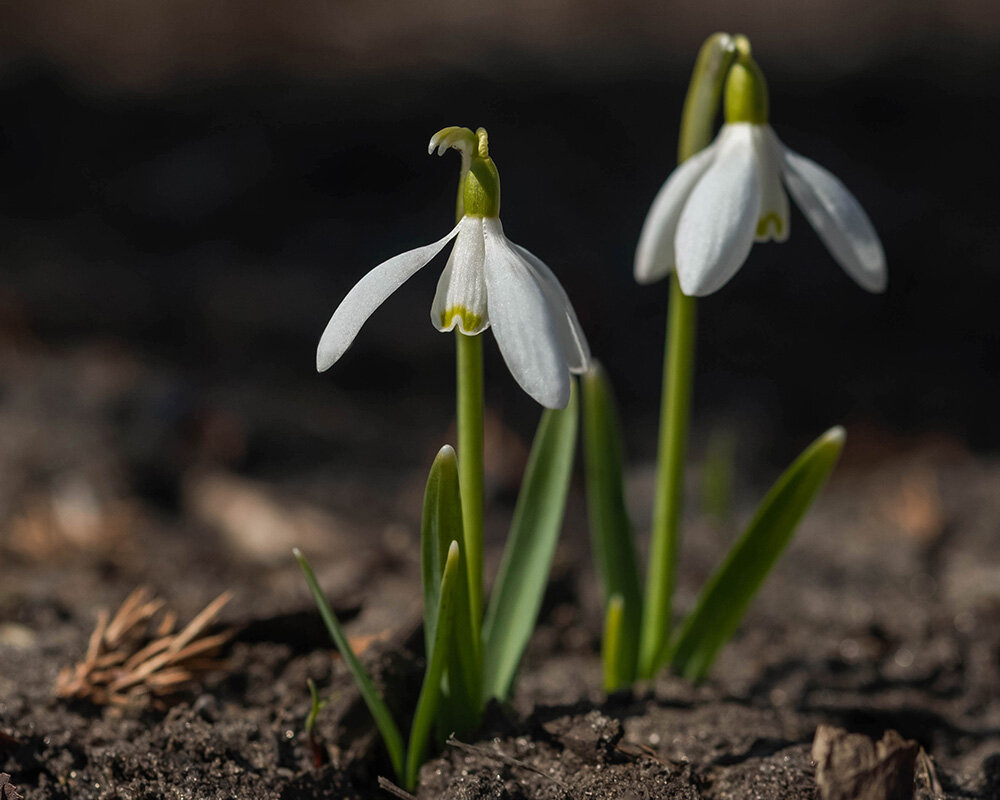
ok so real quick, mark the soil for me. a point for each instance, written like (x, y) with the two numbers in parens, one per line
(884, 614)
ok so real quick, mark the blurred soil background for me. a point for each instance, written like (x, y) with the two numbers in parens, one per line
(186, 193)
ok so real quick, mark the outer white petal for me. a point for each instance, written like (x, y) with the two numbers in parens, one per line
(654, 256)
(460, 298)
(717, 225)
(773, 222)
(367, 295)
(525, 327)
(839, 220)
(571, 335)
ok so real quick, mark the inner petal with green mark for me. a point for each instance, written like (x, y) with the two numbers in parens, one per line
(460, 299)
(467, 320)
(768, 222)
(772, 222)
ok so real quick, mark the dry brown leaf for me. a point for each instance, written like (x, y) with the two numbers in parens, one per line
(8, 791)
(850, 766)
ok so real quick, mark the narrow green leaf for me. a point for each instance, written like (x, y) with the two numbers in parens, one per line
(611, 646)
(379, 711)
(423, 718)
(728, 593)
(461, 705)
(523, 575)
(610, 529)
(316, 706)
(440, 525)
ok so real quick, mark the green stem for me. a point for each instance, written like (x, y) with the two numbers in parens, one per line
(697, 120)
(469, 362)
(675, 414)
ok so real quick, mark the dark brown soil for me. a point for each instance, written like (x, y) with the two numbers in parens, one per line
(885, 614)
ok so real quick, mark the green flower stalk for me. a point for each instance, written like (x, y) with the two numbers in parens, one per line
(700, 108)
(469, 422)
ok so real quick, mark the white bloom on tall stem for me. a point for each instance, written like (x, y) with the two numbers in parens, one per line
(488, 282)
(717, 203)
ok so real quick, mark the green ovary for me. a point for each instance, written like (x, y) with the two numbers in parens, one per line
(467, 320)
(767, 220)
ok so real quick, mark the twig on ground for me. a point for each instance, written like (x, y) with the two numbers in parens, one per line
(510, 761)
(136, 657)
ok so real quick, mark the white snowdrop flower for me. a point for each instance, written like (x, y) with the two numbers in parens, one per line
(488, 282)
(717, 203)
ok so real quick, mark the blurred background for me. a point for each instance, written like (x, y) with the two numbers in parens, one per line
(188, 189)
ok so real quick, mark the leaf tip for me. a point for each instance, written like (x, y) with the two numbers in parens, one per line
(836, 435)
(446, 453)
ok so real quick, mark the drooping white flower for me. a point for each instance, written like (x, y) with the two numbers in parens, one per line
(488, 281)
(717, 203)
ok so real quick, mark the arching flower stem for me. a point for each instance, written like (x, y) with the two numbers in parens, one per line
(696, 132)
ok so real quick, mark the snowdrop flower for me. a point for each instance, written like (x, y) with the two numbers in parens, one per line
(718, 202)
(488, 282)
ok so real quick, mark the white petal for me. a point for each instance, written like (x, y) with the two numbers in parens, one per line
(525, 327)
(574, 343)
(460, 298)
(773, 222)
(718, 223)
(654, 257)
(367, 295)
(839, 220)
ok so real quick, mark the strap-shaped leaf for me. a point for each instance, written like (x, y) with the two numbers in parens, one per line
(423, 718)
(458, 710)
(524, 570)
(610, 529)
(379, 711)
(728, 593)
(441, 524)
(611, 646)
(461, 705)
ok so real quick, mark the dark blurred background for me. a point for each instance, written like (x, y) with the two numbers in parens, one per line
(197, 185)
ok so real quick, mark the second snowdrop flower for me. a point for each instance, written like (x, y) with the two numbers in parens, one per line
(717, 203)
(488, 282)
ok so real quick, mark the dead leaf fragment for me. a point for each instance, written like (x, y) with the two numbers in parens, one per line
(8, 791)
(850, 766)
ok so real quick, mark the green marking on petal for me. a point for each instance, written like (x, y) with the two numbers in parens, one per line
(468, 320)
(770, 219)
